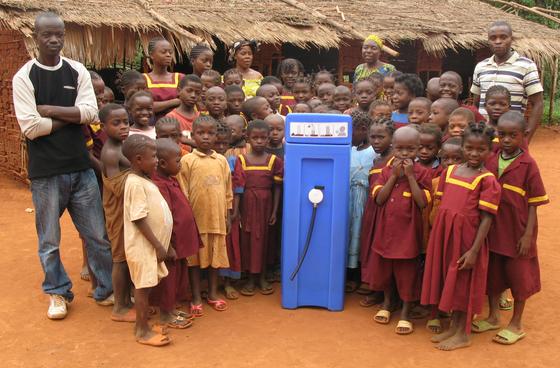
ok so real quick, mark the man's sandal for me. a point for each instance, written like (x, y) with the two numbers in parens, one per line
(383, 316)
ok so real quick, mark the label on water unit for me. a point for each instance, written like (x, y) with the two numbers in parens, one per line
(319, 130)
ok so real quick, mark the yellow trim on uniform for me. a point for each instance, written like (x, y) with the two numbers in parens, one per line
(375, 189)
(515, 189)
(428, 195)
(496, 140)
(278, 178)
(151, 84)
(439, 194)
(89, 143)
(407, 194)
(471, 186)
(253, 168)
(375, 171)
(488, 204)
(539, 199)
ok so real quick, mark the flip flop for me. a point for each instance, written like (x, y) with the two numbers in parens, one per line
(508, 337)
(383, 316)
(179, 323)
(364, 289)
(266, 291)
(506, 304)
(231, 293)
(247, 291)
(218, 305)
(350, 287)
(156, 340)
(129, 316)
(196, 310)
(404, 327)
(483, 326)
(434, 326)
(184, 315)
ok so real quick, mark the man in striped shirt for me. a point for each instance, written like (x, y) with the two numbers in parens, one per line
(507, 68)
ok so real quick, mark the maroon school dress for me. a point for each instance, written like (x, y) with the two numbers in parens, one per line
(163, 90)
(368, 223)
(453, 234)
(398, 234)
(522, 187)
(256, 184)
(184, 237)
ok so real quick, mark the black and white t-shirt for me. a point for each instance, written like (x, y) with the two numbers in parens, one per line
(66, 84)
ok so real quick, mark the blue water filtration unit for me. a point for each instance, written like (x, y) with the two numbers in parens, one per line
(315, 217)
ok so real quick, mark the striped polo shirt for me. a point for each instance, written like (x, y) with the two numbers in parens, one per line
(518, 74)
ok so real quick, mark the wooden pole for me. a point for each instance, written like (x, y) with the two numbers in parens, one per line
(526, 8)
(553, 89)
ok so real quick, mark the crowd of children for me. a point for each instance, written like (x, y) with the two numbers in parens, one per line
(442, 202)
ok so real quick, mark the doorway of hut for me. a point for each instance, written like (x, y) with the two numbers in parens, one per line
(314, 59)
(463, 62)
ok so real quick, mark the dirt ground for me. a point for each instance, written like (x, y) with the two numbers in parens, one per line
(254, 332)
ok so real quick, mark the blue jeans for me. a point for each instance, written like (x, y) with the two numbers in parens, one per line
(78, 192)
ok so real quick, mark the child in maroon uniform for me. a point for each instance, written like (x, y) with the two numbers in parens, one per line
(380, 137)
(257, 186)
(400, 192)
(457, 257)
(513, 236)
(184, 236)
(430, 144)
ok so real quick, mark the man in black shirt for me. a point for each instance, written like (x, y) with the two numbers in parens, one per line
(53, 99)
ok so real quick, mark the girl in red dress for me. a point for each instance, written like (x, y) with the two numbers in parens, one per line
(162, 83)
(457, 256)
(380, 137)
(257, 183)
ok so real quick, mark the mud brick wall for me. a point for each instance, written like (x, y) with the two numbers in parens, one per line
(13, 155)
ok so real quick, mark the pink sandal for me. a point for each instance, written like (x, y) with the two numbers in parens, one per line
(218, 305)
(196, 310)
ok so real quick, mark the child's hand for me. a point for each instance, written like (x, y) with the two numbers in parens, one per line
(272, 219)
(408, 167)
(523, 245)
(171, 254)
(161, 253)
(467, 260)
(397, 168)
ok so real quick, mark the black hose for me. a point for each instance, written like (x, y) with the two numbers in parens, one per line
(307, 243)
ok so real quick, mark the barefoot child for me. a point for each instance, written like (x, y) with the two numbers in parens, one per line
(257, 182)
(361, 160)
(419, 110)
(512, 238)
(115, 169)
(223, 139)
(147, 231)
(407, 87)
(188, 91)
(141, 108)
(400, 192)
(185, 240)
(234, 99)
(205, 180)
(380, 137)
(457, 256)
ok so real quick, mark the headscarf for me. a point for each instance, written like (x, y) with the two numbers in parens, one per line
(374, 38)
(254, 45)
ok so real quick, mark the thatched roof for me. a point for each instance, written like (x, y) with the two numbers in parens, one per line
(104, 31)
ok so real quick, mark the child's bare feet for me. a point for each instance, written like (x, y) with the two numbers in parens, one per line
(457, 341)
(264, 287)
(444, 335)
